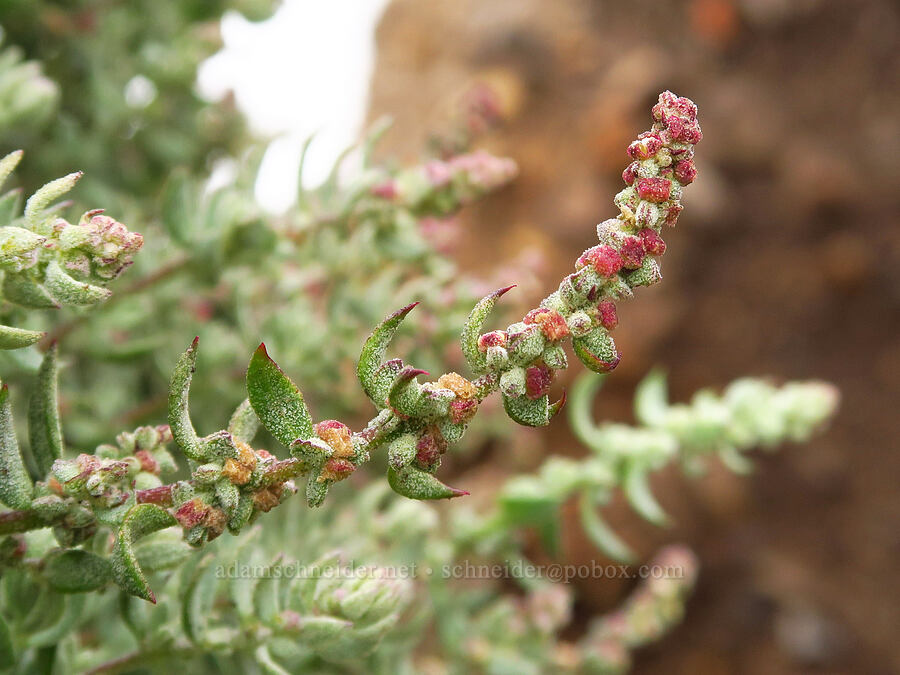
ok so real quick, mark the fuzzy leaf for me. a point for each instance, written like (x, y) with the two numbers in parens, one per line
(140, 521)
(473, 329)
(179, 414)
(276, 400)
(68, 291)
(25, 291)
(40, 200)
(177, 208)
(44, 432)
(9, 163)
(596, 350)
(244, 423)
(76, 571)
(16, 489)
(16, 241)
(373, 353)
(16, 338)
(528, 412)
(600, 533)
(404, 395)
(637, 490)
(417, 484)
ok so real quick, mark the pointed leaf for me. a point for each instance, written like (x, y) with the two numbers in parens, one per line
(405, 393)
(276, 400)
(528, 412)
(197, 600)
(637, 490)
(596, 350)
(40, 200)
(140, 521)
(473, 329)
(179, 414)
(16, 489)
(10, 205)
(44, 432)
(600, 533)
(9, 163)
(69, 291)
(16, 338)
(373, 353)
(735, 461)
(417, 484)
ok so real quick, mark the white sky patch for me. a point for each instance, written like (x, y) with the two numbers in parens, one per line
(303, 72)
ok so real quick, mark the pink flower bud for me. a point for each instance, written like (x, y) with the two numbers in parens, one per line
(672, 214)
(632, 252)
(191, 513)
(685, 171)
(552, 323)
(337, 435)
(438, 173)
(463, 410)
(337, 469)
(609, 319)
(148, 461)
(496, 338)
(386, 190)
(645, 147)
(654, 190)
(537, 381)
(653, 243)
(630, 173)
(604, 259)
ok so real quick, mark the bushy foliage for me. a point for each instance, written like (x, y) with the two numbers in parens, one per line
(112, 557)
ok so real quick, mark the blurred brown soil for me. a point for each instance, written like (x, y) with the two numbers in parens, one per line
(786, 262)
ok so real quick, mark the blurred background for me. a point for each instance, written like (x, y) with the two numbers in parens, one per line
(785, 262)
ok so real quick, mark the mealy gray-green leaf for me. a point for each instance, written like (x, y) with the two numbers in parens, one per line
(373, 352)
(16, 489)
(76, 571)
(69, 291)
(44, 431)
(17, 338)
(179, 413)
(140, 521)
(473, 329)
(415, 483)
(600, 533)
(276, 400)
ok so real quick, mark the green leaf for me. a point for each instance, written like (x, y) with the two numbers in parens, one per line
(735, 461)
(651, 401)
(581, 416)
(40, 200)
(10, 205)
(532, 412)
(44, 432)
(405, 394)
(415, 483)
(7, 652)
(637, 490)
(600, 533)
(596, 350)
(16, 488)
(22, 290)
(9, 163)
(244, 423)
(179, 414)
(267, 664)
(276, 400)
(373, 353)
(68, 291)
(178, 210)
(140, 521)
(197, 602)
(76, 571)
(16, 338)
(16, 241)
(473, 329)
